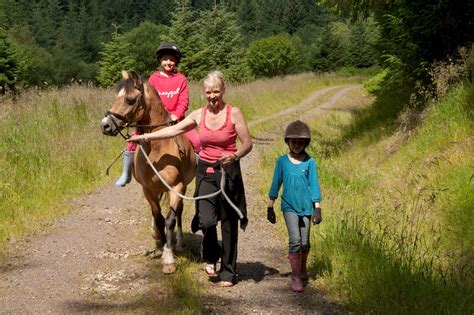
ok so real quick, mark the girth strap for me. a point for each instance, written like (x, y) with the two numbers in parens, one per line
(182, 151)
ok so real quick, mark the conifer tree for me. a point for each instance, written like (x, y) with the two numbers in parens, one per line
(115, 58)
(34, 63)
(224, 44)
(158, 11)
(184, 31)
(294, 16)
(141, 44)
(329, 52)
(272, 16)
(14, 12)
(90, 31)
(45, 21)
(363, 38)
(8, 65)
(249, 17)
(3, 15)
(69, 30)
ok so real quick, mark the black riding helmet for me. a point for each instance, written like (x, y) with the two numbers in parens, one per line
(298, 130)
(168, 48)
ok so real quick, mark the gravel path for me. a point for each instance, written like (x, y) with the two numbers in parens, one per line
(98, 251)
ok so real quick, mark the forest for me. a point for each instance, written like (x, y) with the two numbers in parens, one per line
(56, 42)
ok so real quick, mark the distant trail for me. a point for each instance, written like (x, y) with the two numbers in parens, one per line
(323, 108)
(91, 261)
(309, 103)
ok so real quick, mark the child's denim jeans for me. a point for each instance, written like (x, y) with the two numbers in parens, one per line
(298, 232)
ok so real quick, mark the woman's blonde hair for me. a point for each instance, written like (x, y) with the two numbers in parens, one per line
(214, 76)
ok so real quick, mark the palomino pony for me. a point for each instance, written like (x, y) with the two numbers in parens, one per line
(138, 104)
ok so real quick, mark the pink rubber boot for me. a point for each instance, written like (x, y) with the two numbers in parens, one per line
(295, 262)
(304, 272)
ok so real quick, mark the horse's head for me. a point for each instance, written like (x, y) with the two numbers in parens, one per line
(128, 106)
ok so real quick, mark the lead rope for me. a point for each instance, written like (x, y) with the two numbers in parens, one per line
(221, 190)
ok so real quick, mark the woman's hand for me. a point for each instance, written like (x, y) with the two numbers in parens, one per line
(228, 158)
(137, 138)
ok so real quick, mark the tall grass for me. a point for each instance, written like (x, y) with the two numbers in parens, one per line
(51, 149)
(398, 236)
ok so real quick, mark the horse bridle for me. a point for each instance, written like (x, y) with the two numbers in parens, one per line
(136, 105)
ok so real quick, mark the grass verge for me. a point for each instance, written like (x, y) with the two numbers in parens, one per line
(398, 205)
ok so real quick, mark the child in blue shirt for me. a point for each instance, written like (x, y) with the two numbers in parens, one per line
(300, 199)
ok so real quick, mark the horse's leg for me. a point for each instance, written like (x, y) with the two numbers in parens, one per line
(179, 230)
(159, 226)
(169, 263)
(158, 223)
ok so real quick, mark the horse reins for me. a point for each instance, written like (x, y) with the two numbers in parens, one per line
(136, 105)
(220, 191)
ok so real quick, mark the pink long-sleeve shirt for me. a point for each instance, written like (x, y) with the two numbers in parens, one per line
(173, 92)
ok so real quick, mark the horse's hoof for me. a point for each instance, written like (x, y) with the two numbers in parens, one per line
(169, 268)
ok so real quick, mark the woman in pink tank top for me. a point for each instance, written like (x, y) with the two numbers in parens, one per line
(220, 141)
(220, 125)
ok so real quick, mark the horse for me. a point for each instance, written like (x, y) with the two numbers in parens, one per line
(138, 104)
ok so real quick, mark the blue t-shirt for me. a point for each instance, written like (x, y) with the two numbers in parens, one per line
(300, 185)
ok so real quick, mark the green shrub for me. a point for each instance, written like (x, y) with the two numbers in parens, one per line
(353, 71)
(375, 84)
(272, 56)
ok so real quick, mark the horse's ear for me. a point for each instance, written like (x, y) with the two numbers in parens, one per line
(137, 79)
(125, 74)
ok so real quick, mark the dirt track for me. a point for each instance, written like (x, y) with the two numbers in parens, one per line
(97, 252)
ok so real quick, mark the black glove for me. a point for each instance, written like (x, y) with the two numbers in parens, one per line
(316, 218)
(271, 215)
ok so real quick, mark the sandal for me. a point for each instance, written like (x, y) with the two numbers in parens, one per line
(210, 270)
(225, 284)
